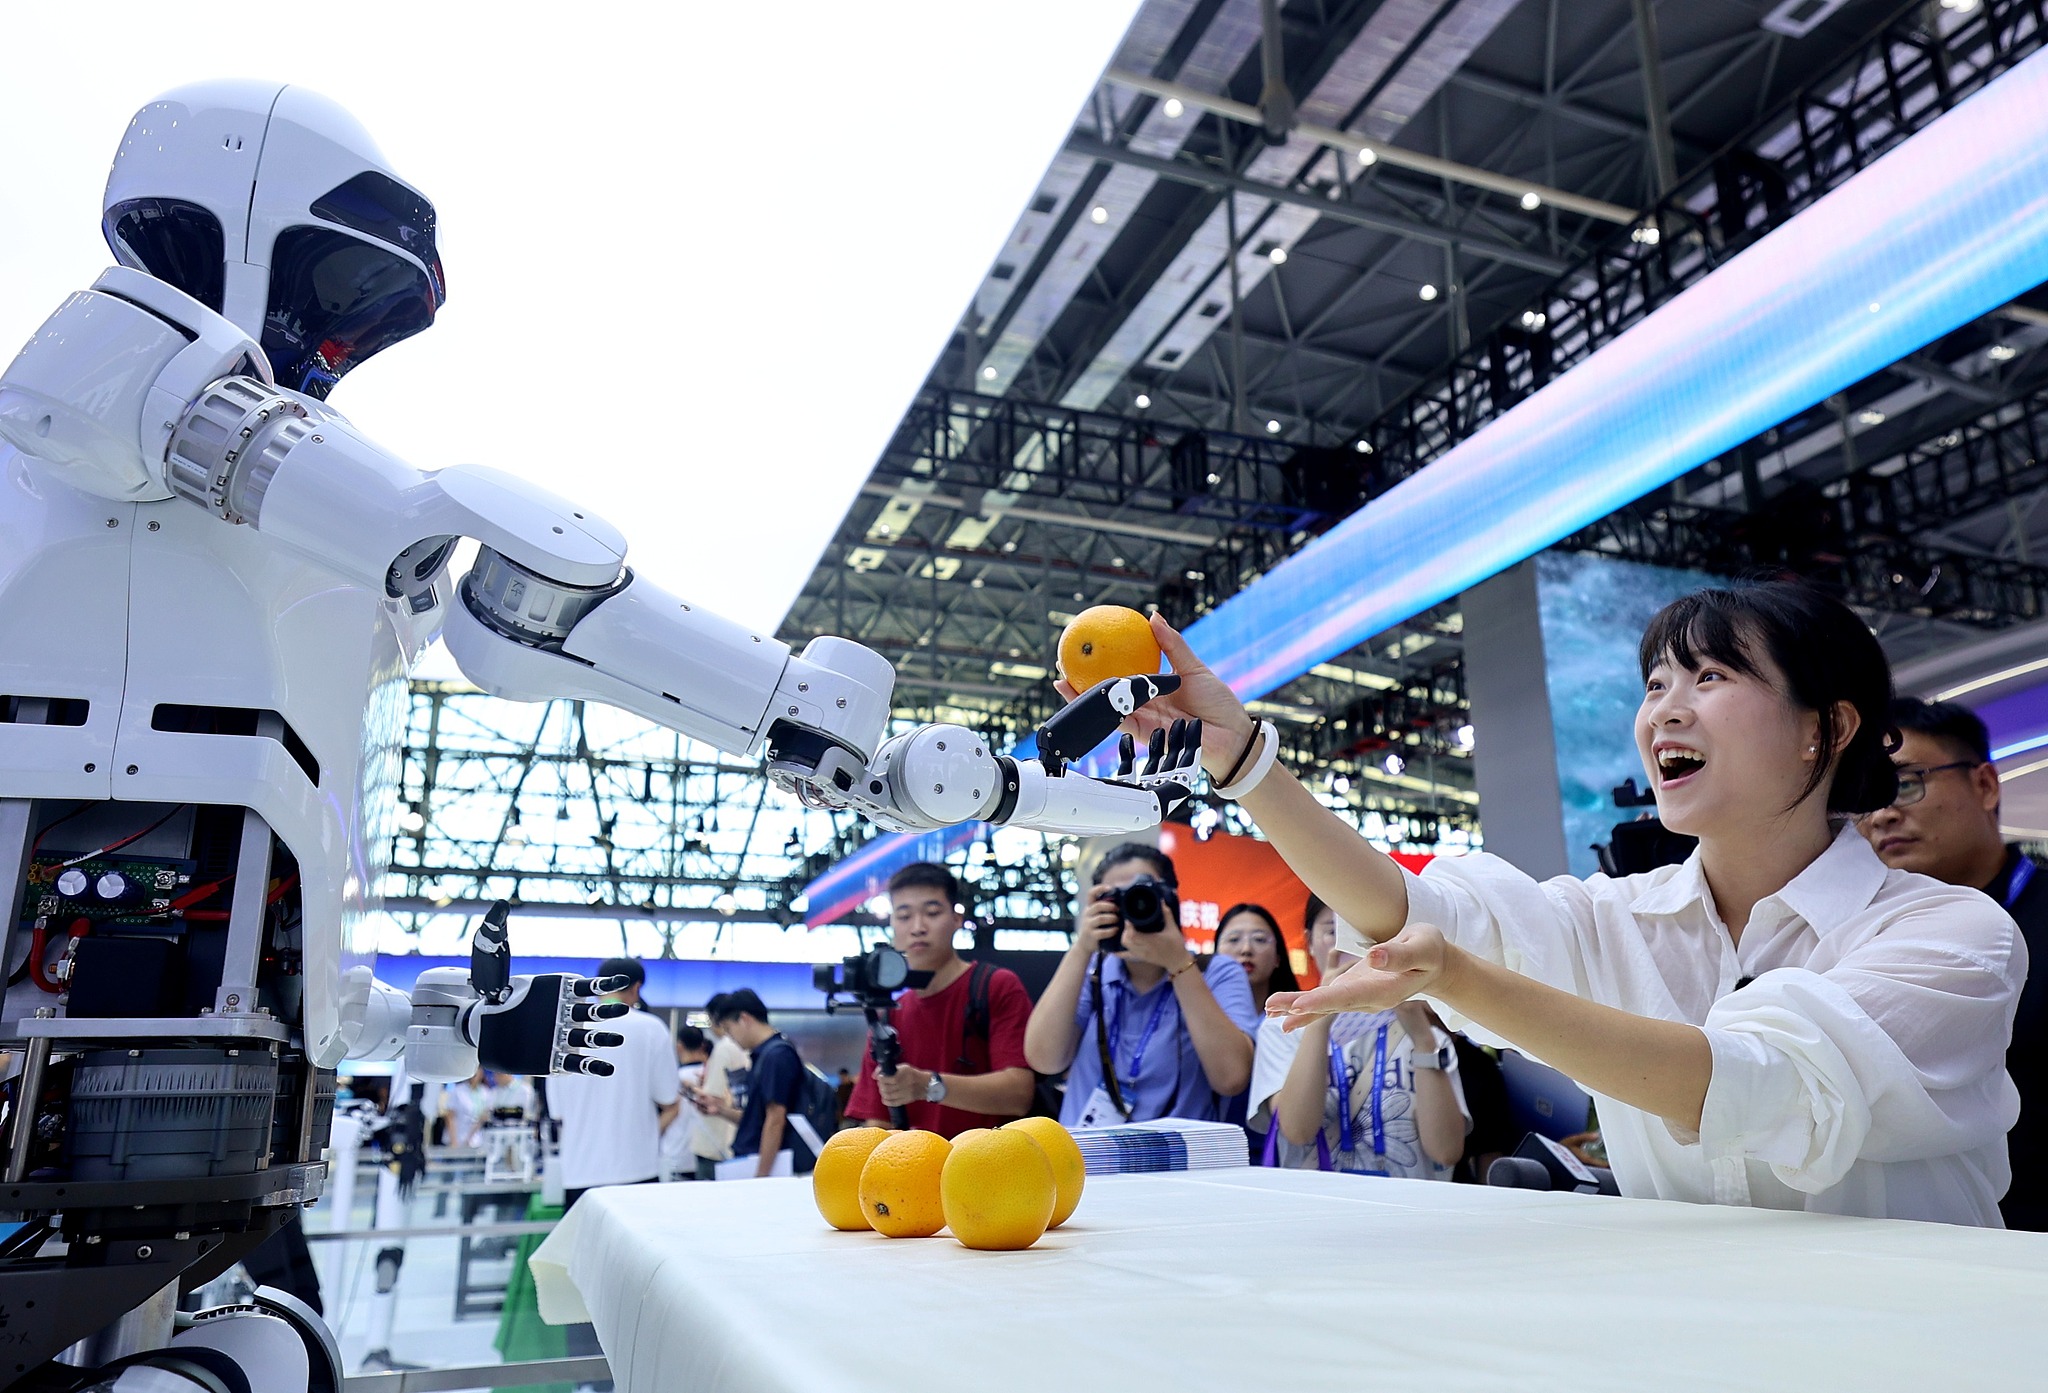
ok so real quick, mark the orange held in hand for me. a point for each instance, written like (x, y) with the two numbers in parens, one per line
(1069, 1170)
(998, 1190)
(899, 1185)
(1104, 642)
(835, 1181)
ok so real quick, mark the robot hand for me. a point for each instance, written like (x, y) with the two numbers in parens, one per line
(939, 775)
(517, 1025)
(539, 1027)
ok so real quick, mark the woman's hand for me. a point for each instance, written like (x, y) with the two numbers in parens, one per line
(1407, 964)
(1100, 919)
(1226, 725)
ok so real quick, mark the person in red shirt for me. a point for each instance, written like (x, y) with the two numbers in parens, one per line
(952, 1077)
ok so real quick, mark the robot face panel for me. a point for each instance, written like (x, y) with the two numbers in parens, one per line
(274, 207)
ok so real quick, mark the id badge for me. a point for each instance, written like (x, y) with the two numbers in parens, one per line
(1099, 1111)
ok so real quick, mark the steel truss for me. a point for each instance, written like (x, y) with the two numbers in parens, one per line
(1906, 74)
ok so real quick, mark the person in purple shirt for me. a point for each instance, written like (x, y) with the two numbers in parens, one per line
(1177, 1027)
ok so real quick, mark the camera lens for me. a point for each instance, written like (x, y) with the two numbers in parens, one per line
(1142, 908)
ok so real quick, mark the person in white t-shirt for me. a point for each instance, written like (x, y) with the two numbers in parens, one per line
(693, 1047)
(1781, 1021)
(1365, 1093)
(710, 1134)
(611, 1127)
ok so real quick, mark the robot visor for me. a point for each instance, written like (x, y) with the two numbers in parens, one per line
(336, 299)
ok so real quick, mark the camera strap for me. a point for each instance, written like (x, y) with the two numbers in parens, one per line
(1116, 1094)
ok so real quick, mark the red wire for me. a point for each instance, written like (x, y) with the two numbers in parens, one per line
(116, 846)
(39, 944)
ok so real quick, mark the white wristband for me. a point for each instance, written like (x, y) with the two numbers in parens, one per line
(1269, 750)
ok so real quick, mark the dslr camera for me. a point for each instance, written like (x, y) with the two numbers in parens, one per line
(872, 978)
(1143, 905)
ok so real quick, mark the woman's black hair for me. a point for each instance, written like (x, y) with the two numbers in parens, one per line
(1827, 655)
(1159, 861)
(1283, 979)
(1310, 913)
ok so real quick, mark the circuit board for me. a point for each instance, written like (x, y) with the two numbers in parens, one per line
(134, 892)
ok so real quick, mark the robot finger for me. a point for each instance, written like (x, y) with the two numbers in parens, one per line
(1127, 757)
(1155, 750)
(583, 1012)
(598, 986)
(587, 1064)
(1191, 745)
(595, 1039)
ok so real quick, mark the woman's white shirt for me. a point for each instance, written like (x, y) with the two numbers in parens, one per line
(1862, 1071)
(1356, 1036)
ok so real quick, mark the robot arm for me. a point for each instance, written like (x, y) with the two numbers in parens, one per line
(178, 403)
(455, 1020)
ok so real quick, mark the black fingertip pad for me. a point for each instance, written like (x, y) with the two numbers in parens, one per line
(597, 1068)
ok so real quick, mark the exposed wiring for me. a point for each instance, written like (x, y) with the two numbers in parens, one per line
(125, 841)
(39, 946)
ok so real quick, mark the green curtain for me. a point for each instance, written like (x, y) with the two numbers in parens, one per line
(522, 1334)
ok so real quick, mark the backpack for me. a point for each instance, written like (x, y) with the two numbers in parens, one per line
(1046, 1096)
(815, 1116)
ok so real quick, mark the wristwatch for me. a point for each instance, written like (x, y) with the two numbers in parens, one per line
(935, 1089)
(1438, 1058)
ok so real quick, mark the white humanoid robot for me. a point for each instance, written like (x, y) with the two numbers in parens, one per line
(211, 589)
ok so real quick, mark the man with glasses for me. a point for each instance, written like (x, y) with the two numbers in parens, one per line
(1945, 824)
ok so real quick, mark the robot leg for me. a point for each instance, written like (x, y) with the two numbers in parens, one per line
(394, 1209)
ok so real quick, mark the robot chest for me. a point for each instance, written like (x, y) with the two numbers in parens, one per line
(116, 618)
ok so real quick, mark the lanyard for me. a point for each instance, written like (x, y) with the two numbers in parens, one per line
(1340, 1079)
(1116, 1031)
(2021, 874)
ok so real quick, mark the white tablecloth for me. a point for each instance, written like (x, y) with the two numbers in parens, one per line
(1257, 1280)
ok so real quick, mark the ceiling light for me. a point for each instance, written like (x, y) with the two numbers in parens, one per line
(1531, 201)
(1961, 7)
(1098, 215)
(1874, 307)
(1393, 764)
(988, 374)
(1366, 156)
(1079, 597)
(976, 583)
(1117, 561)
(1174, 108)
(1646, 235)
(1278, 256)
(726, 902)
(1272, 428)
(2002, 353)
(1534, 319)
(1009, 546)
(1215, 478)
(1465, 737)
(1142, 401)
(1428, 292)
(412, 820)
(1341, 784)
(1364, 447)
(1870, 417)
(1194, 575)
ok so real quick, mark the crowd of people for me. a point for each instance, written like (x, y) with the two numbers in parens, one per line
(1824, 1007)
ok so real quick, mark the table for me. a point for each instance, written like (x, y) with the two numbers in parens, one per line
(507, 1202)
(1245, 1279)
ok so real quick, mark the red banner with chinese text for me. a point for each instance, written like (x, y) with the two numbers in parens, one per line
(1225, 870)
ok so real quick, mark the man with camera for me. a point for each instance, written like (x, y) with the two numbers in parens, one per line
(1144, 1028)
(961, 1034)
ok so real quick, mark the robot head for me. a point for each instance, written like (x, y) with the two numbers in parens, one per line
(272, 206)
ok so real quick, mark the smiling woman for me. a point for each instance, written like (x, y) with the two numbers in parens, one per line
(1781, 1021)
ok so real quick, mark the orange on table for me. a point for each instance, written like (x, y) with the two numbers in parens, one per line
(1107, 641)
(1069, 1169)
(998, 1190)
(899, 1185)
(835, 1180)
